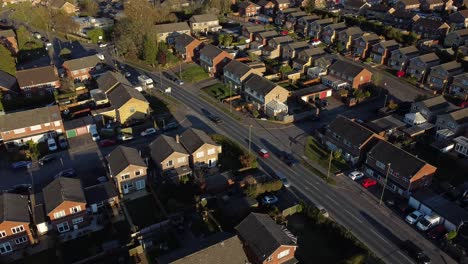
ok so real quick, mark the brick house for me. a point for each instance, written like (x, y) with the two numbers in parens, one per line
(291, 19)
(266, 7)
(263, 36)
(431, 107)
(8, 39)
(37, 124)
(128, 169)
(204, 23)
(355, 75)
(248, 9)
(213, 59)
(167, 32)
(38, 80)
(81, 69)
(347, 36)
(441, 75)
(14, 223)
(419, 66)
(316, 27)
(381, 51)
(330, 32)
(65, 204)
(456, 121)
(202, 149)
(363, 45)
(377, 12)
(456, 38)
(265, 241)
(406, 172)
(170, 157)
(401, 19)
(459, 86)
(430, 28)
(250, 31)
(235, 74)
(399, 58)
(187, 47)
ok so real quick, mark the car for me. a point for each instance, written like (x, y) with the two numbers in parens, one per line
(62, 142)
(283, 179)
(288, 158)
(125, 137)
(170, 126)
(414, 217)
(322, 210)
(215, 118)
(284, 32)
(68, 173)
(269, 199)
(415, 252)
(51, 144)
(107, 142)
(263, 153)
(356, 175)
(148, 132)
(368, 183)
(103, 45)
(437, 232)
(100, 56)
(252, 20)
(46, 159)
(21, 164)
(127, 74)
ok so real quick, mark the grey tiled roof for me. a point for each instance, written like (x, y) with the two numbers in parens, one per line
(192, 139)
(237, 68)
(172, 27)
(60, 190)
(350, 130)
(14, 207)
(163, 146)
(260, 84)
(210, 51)
(122, 157)
(29, 118)
(203, 18)
(121, 94)
(82, 63)
(346, 68)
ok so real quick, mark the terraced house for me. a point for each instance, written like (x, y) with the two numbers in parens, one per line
(442, 74)
(399, 58)
(127, 169)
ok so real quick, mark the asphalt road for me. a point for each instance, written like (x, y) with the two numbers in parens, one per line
(376, 226)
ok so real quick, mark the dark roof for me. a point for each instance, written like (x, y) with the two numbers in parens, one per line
(14, 207)
(262, 235)
(210, 51)
(237, 68)
(435, 103)
(346, 68)
(311, 90)
(82, 63)
(268, 34)
(246, 4)
(100, 192)
(461, 32)
(256, 28)
(409, 50)
(109, 80)
(192, 139)
(223, 247)
(281, 40)
(427, 57)
(263, 2)
(37, 201)
(29, 118)
(282, 1)
(403, 14)
(260, 84)
(9, 33)
(172, 27)
(460, 116)
(122, 157)
(410, 2)
(449, 66)
(60, 190)
(441, 206)
(35, 76)
(428, 23)
(323, 21)
(203, 18)
(354, 3)
(384, 124)
(337, 26)
(183, 40)
(388, 43)
(352, 31)
(313, 52)
(121, 94)
(7, 81)
(350, 130)
(370, 37)
(163, 146)
(379, 8)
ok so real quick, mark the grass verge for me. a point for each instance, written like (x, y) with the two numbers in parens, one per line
(193, 74)
(220, 107)
(219, 91)
(316, 153)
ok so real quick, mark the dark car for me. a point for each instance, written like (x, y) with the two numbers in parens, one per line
(415, 252)
(47, 159)
(107, 142)
(437, 232)
(288, 158)
(21, 164)
(170, 126)
(21, 189)
(215, 118)
(69, 173)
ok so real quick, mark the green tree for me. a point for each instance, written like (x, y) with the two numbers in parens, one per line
(221, 39)
(285, 69)
(89, 7)
(95, 33)
(228, 40)
(7, 63)
(33, 150)
(150, 50)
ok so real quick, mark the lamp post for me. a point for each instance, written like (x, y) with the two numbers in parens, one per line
(250, 137)
(329, 164)
(385, 183)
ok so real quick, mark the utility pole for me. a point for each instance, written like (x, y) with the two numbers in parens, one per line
(329, 164)
(250, 137)
(385, 183)
(385, 102)
(230, 99)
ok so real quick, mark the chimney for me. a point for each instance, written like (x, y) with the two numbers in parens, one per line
(177, 139)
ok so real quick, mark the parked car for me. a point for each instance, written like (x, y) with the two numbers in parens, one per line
(415, 252)
(21, 164)
(94, 134)
(51, 144)
(47, 159)
(62, 142)
(428, 222)
(125, 137)
(437, 232)
(356, 175)
(322, 210)
(170, 126)
(107, 142)
(269, 199)
(215, 118)
(69, 173)
(368, 183)
(283, 179)
(263, 153)
(148, 132)
(414, 217)
(288, 158)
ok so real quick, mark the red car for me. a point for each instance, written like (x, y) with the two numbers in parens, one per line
(263, 153)
(368, 183)
(284, 32)
(107, 142)
(437, 232)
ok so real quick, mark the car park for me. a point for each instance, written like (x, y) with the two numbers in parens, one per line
(356, 175)
(367, 183)
(415, 252)
(437, 232)
(46, 159)
(269, 199)
(263, 153)
(414, 217)
(107, 142)
(148, 132)
(69, 173)
(21, 164)
(51, 144)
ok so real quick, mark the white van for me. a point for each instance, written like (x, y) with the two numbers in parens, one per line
(94, 133)
(51, 144)
(428, 222)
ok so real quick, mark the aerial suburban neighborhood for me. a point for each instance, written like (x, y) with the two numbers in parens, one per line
(234, 131)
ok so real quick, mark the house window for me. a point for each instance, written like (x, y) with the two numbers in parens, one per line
(283, 253)
(2, 234)
(63, 227)
(140, 184)
(380, 165)
(5, 248)
(17, 229)
(57, 123)
(37, 127)
(132, 109)
(126, 176)
(169, 163)
(77, 220)
(211, 151)
(59, 214)
(19, 131)
(181, 160)
(75, 209)
(200, 154)
(21, 240)
(138, 173)
(269, 259)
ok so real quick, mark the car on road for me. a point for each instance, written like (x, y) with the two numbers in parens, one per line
(107, 142)
(51, 144)
(288, 158)
(216, 119)
(322, 210)
(170, 126)
(62, 142)
(356, 175)
(283, 179)
(263, 153)
(148, 132)
(269, 199)
(437, 232)
(415, 252)
(21, 164)
(366, 183)
(414, 217)
(68, 173)
(47, 159)
(125, 137)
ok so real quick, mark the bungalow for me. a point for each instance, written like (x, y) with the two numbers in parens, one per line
(204, 23)
(459, 19)
(459, 86)
(248, 9)
(419, 66)
(213, 59)
(266, 7)
(381, 51)
(170, 157)
(456, 38)
(38, 80)
(403, 171)
(431, 107)
(8, 39)
(456, 122)
(235, 74)
(302, 25)
(356, 76)
(187, 47)
(273, 49)
(202, 149)
(81, 69)
(330, 32)
(430, 28)
(347, 36)
(408, 5)
(290, 50)
(266, 95)
(166, 32)
(127, 169)
(363, 45)
(442, 74)
(400, 58)
(316, 27)
(305, 58)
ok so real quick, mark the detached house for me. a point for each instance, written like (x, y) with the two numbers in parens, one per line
(266, 7)
(459, 19)
(235, 74)
(400, 58)
(430, 28)
(65, 204)
(265, 241)
(355, 76)
(381, 51)
(442, 74)
(305, 58)
(204, 23)
(273, 49)
(187, 47)
(81, 69)
(351, 138)
(213, 59)
(419, 66)
(363, 45)
(170, 157)
(14, 223)
(330, 32)
(248, 9)
(266, 95)
(456, 122)
(289, 51)
(316, 27)
(408, 5)
(459, 85)
(8, 39)
(38, 80)
(202, 149)
(167, 32)
(431, 107)
(302, 25)
(347, 36)
(456, 38)
(128, 169)
(406, 172)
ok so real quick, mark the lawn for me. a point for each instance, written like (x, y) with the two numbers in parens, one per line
(144, 211)
(157, 105)
(87, 246)
(316, 153)
(230, 157)
(193, 74)
(219, 91)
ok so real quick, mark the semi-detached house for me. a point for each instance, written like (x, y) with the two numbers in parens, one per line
(167, 32)
(82, 69)
(213, 59)
(235, 74)
(202, 149)
(38, 80)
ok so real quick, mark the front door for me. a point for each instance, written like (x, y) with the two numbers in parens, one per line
(125, 188)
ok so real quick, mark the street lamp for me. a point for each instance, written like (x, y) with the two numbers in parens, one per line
(250, 137)
(385, 183)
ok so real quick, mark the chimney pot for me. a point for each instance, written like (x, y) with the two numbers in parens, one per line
(177, 139)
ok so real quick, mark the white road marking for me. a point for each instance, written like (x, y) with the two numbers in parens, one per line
(406, 257)
(357, 219)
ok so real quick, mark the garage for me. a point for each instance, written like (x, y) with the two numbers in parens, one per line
(71, 133)
(78, 127)
(309, 94)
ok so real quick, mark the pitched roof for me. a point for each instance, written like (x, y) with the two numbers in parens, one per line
(183, 40)
(9, 33)
(435, 103)
(370, 37)
(263, 2)
(282, 39)
(282, 1)
(313, 51)
(388, 43)
(7, 81)
(298, 45)
(346, 68)
(350, 130)
(354, 3)
(82, 63)
(237, 68)
(210, 51)
(408, 50)
(309, 18)
(337, 26)
(109, 80)
(449, 66)
(352, 31)
(385, 123)
(100, 192)
(323, 21)
(410, 2)
(262, 235)
(260, 84)
(14, 207)
(266, 34)
(427, 57)
(122, 157)
(121, 94)
(460, 116)
(246, 4)
(29, 118)
(163, 146)
(253, 29)
(35, 76)
(203, 18)
(172, 27)
(429, 23)
(60, 190)
(192, 139)
(461, 32)
(56, 3)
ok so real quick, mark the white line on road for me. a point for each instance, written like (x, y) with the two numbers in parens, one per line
(406, 257)
(357, 219)
(377, 234)
(315, 187)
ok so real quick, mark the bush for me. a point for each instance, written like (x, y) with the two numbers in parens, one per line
(260, 188)
(451, 235)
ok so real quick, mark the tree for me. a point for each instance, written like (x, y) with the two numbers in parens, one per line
(228, 40)
(339, 47)
(89, 7)
(95, 33)
(285, 69)
(63, 22)
(7, 63)
(150, 50)
(33, 151)
(221, 39)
